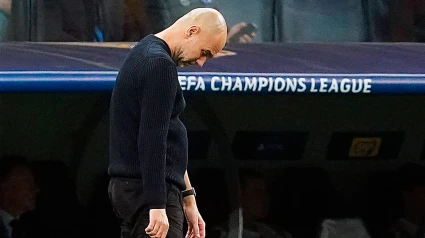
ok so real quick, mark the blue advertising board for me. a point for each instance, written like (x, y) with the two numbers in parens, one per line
(269, 68)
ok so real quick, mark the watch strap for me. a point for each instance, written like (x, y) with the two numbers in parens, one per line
(189, 192)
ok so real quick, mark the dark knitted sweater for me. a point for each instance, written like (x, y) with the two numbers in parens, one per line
(147, 139)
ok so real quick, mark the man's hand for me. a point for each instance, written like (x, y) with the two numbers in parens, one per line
(234, 31)
(158, 223)
(196, 225)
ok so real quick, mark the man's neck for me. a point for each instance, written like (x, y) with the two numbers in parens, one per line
(165, 35)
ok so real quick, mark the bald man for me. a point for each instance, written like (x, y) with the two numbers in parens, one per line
(150, 189)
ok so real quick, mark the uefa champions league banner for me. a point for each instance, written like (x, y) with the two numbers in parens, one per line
(310, 68)
(227, 83)
(303, 83)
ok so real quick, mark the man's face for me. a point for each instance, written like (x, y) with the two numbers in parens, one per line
(197, 48)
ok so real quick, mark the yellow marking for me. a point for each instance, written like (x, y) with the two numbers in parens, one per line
(365, 147)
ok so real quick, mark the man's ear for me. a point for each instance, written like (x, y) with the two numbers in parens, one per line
(191, 31)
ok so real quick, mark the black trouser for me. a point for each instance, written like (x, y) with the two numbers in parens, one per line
(126, 198)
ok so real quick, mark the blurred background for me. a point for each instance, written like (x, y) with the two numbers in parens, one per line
(273, 20)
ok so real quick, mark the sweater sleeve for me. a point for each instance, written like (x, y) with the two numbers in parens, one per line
(157, 92)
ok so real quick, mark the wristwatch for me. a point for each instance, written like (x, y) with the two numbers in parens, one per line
(189, 192)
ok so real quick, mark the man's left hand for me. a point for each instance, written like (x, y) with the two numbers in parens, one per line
(196, 225)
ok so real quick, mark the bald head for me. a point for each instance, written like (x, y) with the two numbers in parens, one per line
(208, 19)
(196, 36)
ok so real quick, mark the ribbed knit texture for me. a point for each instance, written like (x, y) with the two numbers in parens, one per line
(147, 138)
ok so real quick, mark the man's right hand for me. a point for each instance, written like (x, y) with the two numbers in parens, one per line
(158, 223)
